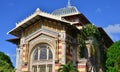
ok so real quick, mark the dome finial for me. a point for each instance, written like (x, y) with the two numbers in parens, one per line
(69, 3)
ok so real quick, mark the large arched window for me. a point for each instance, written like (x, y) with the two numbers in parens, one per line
(42, 59)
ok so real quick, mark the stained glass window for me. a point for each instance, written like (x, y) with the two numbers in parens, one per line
(34, 69)
(43, 63)
(36, 55)
(42, 68)
(50, 54)
(43, 53)
(50, 68)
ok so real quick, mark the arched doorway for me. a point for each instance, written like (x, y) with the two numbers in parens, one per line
(42, 58)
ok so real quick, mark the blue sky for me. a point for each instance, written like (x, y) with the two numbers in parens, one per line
(103, 13)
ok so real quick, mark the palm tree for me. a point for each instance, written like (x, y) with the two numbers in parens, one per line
(69, 67)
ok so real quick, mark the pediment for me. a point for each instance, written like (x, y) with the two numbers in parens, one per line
(42, 38)
(42, 33)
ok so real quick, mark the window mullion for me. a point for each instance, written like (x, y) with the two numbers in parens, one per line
(37, 69)
(38, 53)
(47, 53)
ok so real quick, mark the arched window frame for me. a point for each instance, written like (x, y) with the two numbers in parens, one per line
(49, 65)
(49, 54)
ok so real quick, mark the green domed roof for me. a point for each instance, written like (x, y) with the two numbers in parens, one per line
(65, 11)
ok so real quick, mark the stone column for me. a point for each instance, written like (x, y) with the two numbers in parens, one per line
(63, 41)
(18, 60)
(63, 61)
(88, 45)
(25, 57)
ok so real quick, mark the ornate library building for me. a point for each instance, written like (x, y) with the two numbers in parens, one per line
(45, 41)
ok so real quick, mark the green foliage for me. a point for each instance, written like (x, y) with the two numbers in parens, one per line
(93, 49)
(5, 63)
(87, 31)
(113, 58)
(69, 67)
(117, 64)
(5, 58)
(82, 46)
(90, 30)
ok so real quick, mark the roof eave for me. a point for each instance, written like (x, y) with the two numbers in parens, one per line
(69, 14)
(14, 40)
(31, 18)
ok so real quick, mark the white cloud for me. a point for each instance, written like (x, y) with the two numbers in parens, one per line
(113, 28)
(113, 31)
(114, 36)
